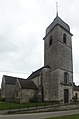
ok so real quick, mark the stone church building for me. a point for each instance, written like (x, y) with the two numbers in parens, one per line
(57, 73)
(54, 81)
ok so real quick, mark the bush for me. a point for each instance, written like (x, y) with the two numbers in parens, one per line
(2, 99)
(34, 99)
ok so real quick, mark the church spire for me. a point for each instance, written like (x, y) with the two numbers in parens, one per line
(56, 9)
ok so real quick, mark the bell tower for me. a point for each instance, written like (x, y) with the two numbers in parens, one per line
(58, 56)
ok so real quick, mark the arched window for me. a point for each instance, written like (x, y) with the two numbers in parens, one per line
(66, 77)
(64, 38)
(50, 41)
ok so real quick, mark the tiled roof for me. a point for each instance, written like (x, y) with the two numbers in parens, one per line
(75, 88)
(27, 84)
(9, 79)
(58, 21)
(37, 72)
(34, 74)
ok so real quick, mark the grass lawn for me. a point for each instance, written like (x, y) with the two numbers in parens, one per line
(66, 117)
(8, 105)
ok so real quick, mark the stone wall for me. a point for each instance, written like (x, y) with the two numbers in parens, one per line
(74, 94)
(26, 95)
(37, 80)
(62, 85)
(9, 92)
(58, 56)
(50, 52)
(46, 83)
(54, 85)
(23, 95)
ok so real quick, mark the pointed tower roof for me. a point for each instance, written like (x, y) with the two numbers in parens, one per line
(58, 21)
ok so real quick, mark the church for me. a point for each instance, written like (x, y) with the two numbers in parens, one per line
(54, 81)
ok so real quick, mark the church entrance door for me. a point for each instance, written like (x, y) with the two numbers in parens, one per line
(66, 96)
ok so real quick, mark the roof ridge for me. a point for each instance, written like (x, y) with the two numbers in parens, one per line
(37, 71)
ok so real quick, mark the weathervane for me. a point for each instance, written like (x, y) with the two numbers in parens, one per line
(56, 8)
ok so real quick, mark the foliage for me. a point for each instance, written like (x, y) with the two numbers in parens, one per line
(9, 105)
(2, 99)
(34, 99)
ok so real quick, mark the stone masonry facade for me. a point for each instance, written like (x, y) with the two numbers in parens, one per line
(58, 55)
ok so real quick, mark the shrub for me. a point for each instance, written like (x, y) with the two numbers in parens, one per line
(2, 99)
(34, 99)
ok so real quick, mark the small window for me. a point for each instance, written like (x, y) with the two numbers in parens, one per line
(64, 38)
(50, 41)
(66, 77)
(76, 95)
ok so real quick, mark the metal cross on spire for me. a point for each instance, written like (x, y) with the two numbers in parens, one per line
(56, 8)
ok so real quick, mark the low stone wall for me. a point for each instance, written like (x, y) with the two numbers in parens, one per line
(49, 108)
(67, 107)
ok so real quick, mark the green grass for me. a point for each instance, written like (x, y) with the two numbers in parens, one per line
(66, 117)
(8, 105)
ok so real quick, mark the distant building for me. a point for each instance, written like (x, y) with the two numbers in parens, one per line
(75, 92)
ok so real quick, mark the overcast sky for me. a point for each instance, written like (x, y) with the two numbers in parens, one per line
(22, 28)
